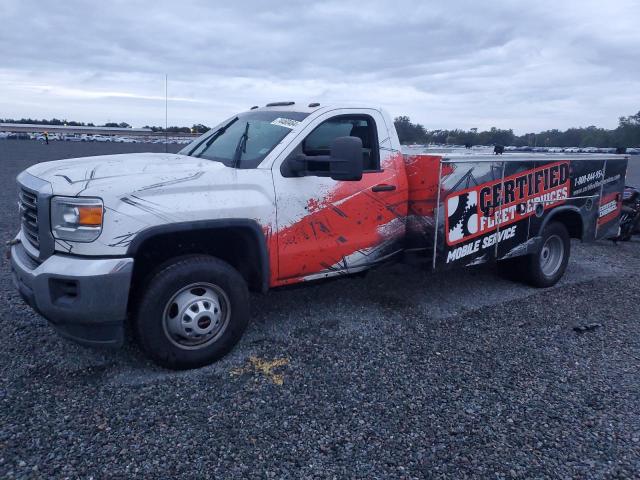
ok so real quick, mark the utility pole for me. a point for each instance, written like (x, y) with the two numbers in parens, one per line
(166, 113)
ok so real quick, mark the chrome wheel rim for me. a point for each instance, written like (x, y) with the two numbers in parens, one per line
(551, 255)
(196, 316)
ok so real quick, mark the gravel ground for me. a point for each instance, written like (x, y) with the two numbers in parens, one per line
(398, 374)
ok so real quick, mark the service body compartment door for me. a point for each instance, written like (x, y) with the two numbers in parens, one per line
(531, 190)
(463, 226)
(518, 194)
(610, 204)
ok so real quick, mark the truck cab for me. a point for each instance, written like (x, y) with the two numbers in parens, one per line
(262, 195)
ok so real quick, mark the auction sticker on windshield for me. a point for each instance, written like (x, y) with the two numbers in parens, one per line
(285, 122)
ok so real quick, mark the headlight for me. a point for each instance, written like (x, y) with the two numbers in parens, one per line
(76, 219)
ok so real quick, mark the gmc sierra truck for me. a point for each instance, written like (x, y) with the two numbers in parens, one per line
(274, 196)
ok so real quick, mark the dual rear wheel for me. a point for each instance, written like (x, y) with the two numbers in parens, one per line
(546, 266)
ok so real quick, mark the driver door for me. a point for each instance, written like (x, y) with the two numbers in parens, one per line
(327, 227)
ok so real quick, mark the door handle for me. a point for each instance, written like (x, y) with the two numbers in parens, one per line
(383, 187)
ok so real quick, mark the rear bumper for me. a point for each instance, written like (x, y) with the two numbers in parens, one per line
(85, 299)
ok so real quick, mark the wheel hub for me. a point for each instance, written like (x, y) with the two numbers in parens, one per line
(199, 317)
(196, 315)
(551, 255)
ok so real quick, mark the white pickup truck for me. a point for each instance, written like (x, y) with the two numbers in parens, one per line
(277, 195)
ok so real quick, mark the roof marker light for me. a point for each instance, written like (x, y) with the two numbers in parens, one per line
(280, 104)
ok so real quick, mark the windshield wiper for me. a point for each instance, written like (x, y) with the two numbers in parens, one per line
(214, 136)
(241, 147)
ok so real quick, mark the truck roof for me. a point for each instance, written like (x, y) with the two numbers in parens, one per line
(462, 156)
(307, 107)
(527, 157)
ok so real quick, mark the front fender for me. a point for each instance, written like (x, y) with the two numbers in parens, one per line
(202, 228)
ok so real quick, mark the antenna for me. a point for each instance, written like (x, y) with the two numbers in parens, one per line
(166, 112)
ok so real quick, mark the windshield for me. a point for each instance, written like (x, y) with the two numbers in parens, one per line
(244, 140)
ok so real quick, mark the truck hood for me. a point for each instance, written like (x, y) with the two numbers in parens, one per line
(142, 190)
(125, 173)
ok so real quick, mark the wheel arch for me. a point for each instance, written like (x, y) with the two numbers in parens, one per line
(239, 242)
(570, 216)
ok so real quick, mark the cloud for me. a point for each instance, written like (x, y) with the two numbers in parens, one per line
(454, 64)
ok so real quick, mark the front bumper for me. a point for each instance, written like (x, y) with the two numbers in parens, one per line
(84, 298)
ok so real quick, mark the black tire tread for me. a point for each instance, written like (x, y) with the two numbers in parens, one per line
(148, 328)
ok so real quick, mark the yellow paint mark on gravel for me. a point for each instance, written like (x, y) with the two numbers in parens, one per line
(264, 367)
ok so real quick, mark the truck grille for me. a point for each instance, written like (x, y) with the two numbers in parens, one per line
(29, 216)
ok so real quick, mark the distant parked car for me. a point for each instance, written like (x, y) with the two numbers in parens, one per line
(18, 136)
(39, 137)
(71, 138)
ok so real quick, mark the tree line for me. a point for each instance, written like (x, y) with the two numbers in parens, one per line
(57, 121)
(626, 134)
(196, 128)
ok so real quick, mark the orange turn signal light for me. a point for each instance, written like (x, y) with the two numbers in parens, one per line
(89, 215)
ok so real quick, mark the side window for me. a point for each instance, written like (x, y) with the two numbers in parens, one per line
(318, 142)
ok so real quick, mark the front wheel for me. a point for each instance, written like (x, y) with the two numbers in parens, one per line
(545, 267)
(192, 313)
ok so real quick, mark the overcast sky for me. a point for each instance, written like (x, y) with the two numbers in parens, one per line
(522, 65)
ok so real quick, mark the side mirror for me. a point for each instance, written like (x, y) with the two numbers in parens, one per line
(346, 159)
(344, 162)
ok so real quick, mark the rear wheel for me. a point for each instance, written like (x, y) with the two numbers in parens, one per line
(193, 312)
(546, 266)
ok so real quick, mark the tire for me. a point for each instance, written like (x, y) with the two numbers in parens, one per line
(545, 267)
(192, 313)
